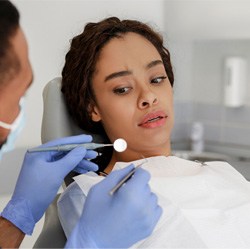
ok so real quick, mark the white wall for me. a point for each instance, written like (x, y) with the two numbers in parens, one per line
(181, 53)
(49, 25)
(208, 19)
(208, 67)
(208, 22)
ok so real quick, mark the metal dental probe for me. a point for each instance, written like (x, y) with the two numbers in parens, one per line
(126, 178)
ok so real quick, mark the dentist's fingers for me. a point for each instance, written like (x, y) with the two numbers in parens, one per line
(114, 178)
(91, 154)
(56, 155)
(69, 140)
(71, 159)
(141, 176)
(84, 166)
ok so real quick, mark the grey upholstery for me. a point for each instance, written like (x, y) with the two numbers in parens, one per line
(52, 235)
(56, 123)
(56, 120)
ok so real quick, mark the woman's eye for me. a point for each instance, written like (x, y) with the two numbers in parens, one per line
(158, 80)
(122, 90)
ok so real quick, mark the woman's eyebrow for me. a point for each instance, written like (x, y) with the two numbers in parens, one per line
(117, 74)
(153, 63)
(125, 73)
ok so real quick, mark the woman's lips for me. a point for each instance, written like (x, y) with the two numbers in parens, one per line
(153, 120)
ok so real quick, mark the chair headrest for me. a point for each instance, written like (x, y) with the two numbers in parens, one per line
(56, 121)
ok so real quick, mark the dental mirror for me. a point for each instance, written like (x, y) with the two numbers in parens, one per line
(120, 145)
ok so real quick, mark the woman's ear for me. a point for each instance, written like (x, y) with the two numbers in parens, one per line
(94, 113)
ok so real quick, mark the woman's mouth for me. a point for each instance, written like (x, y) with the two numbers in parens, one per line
(153, 120)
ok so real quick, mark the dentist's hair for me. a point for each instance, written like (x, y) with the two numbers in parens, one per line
(9, 23)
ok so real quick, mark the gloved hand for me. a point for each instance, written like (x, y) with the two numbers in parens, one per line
(120, 220)
(41, 176)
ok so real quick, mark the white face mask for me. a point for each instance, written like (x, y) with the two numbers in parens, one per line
(15, 129)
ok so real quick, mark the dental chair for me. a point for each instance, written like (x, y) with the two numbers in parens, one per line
(56, 123)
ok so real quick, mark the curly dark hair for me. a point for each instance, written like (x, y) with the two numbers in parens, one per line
(82, 58)
(9, 23)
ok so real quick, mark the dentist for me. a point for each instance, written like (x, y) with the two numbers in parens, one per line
(42, 173)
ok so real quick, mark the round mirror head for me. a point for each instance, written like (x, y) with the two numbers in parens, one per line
(120, 145)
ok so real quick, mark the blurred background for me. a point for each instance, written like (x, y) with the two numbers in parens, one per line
(209, 42)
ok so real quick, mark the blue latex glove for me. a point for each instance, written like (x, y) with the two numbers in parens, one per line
(117, 221)
(41, 176)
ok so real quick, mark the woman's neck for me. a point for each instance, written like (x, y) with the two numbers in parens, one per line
(129, 156)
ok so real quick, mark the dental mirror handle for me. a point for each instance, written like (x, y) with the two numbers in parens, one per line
(68, 147)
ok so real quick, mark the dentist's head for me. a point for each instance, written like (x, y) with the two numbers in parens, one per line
(15, 75)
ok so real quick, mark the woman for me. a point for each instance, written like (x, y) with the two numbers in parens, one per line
(81, 66)
(117, 82)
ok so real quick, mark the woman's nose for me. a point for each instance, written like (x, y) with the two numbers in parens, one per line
(147, 98)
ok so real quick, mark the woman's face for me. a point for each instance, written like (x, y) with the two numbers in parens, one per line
(134, 97)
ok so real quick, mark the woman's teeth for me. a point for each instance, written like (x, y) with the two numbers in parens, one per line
(154, 119)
